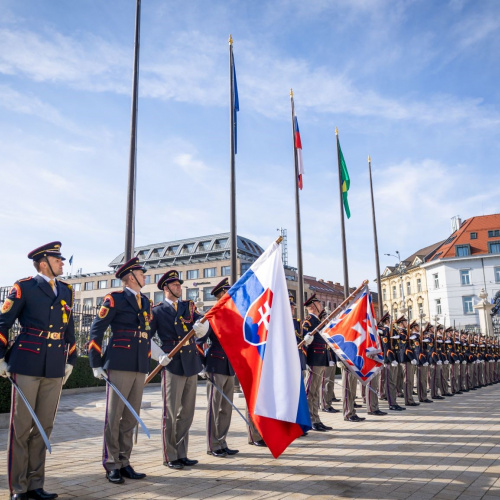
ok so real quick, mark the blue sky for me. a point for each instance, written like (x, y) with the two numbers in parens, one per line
(414, 84)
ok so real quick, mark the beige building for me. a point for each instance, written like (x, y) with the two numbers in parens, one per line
(404, 287)
(202, 262)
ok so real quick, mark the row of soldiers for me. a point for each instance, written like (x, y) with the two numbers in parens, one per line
(42, 356)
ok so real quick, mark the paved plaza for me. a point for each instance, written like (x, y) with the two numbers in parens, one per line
(446, 450)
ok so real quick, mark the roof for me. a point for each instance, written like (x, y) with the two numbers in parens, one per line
(321, 286)
(480, 225)
(190, 250)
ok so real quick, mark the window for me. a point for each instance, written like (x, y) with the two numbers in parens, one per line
(419, 284)
(462, 250)
(115, 283)
(497, 274)
(192, 294)
(436, 280)
(420, 308)
(172, 250)
(494, 234)
(384, 294)
(142, 254)
(187, 248)
(77, 287)
(210, 272)
(394, 293)
(401, 289)
(155, 254)
(494, 246)
(245, 266)
(207, 295)
(99, 301)
(473, 236)
(89, 285)
(220, 244)
(157, 277)
(468, 305)
(225, 270)
(192, 274)
(76, 305)
(410, 313)
(408, 288)
(465, 276)
(204, 246)
(88, 302)
(102, 284)
(158, 297)
(438, 306)
(147, 279)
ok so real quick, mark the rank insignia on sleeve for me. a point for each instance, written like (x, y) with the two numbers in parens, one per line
(103, 312)
(7, 305)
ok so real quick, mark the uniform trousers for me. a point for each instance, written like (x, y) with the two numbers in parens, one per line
(463, 377)
(455, 374)
(381, 389)
(480, 373)
(371, 395)
(400, 379)
(328, 387)
(435, 380)
(445, 378)
(119, 423)
(470, 375)
(219, 410)
(253, 433)
(473, 370)
(391, 375)
(312, 390)
(409, 371)
(422, 373)
(26, 449)
(179, 397)
(350, 384)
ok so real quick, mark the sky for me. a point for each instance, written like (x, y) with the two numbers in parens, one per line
(413, 84)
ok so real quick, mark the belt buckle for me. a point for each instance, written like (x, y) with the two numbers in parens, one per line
(53, 335)
(144, 335)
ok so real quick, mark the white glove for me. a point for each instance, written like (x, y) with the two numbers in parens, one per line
(3, 369)
(457, 362)
(439, 362)
(99, 372)
(156, 350)
(394, 363)
(308, 339)
(464, 362)
(446, 362)
(426, 364)
(67, 372)
(200, 329)
(164, 360)
(396, 337)
(413, 361)
(498, 360)
(331, 363)
(203, 373)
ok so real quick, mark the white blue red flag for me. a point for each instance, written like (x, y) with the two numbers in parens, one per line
(353, 336)
(254, 325)
(298, 148)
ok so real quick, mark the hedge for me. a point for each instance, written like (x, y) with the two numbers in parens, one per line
(81, 376)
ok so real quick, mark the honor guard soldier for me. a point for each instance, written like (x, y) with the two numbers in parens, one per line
(39, 362)
(446, 368)
(463, 362)
(220, 375)
(317, 359)
(423, 368)
(455, 360)
(410, 360)
(172, 320)
(125, 361)
(400, 347)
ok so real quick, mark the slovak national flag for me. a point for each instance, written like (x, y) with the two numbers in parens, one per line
(253, 323)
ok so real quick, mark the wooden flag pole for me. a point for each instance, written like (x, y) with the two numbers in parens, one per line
(332, 314)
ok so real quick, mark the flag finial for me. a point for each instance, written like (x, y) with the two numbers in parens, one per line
(336, 131)
(369, 159)
(291, 92)
(230, 39)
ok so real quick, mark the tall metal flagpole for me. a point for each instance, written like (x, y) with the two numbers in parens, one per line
(375, 241)
(233, 234)
(342, 224)
(132, 170)
(300, 298)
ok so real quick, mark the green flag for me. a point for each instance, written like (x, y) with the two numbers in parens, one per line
(346, 182)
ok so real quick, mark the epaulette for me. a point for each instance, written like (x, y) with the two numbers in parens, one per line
(26, 279)
(71, 290)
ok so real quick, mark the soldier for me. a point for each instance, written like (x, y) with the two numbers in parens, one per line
(39, 361)
(220, 373)
(454, 359)
(423, 369)
(400, 347)
(172, 320)
(446, 368)
(317, 359)
(435, 362)
(463, 362)
(125, 362)
(410, 360)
